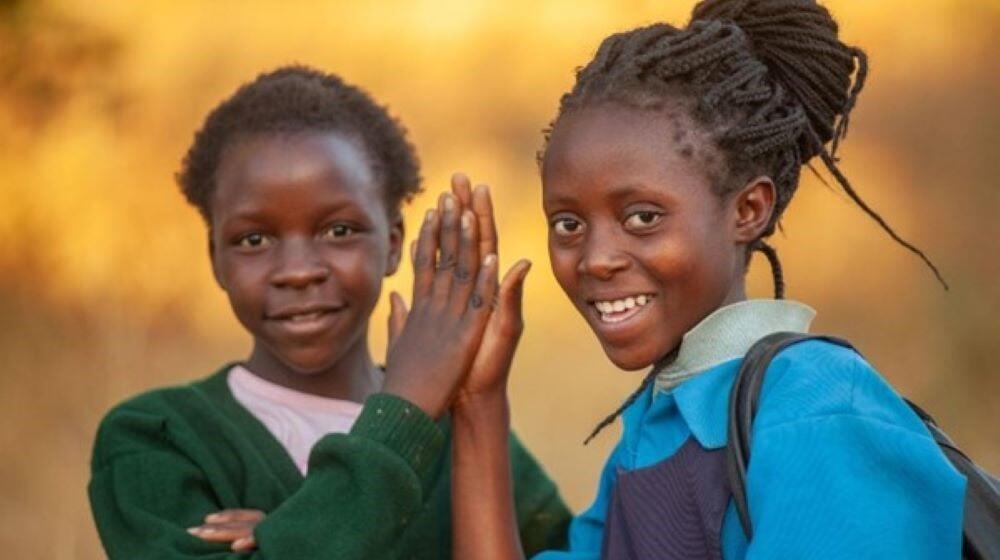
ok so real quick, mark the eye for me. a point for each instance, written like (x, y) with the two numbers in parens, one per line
(337, 231)
(566, 226)
(643, 219)
(254, 240)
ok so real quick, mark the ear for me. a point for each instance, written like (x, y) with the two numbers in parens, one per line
(752, 210)
(397, 232)
(211, 259)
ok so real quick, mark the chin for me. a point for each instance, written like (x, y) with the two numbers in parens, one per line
(630, 358)
(639, 354)
(310, 361)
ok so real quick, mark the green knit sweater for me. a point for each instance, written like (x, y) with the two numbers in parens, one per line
(165, 459)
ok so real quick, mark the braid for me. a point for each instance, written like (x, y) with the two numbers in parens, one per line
(771, 83)
(646, 382)
(776, 272)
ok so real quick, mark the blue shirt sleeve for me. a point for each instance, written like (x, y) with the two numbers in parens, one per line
(586, 531)
(852, 473)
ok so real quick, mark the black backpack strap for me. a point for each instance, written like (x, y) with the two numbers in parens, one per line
(981, 520)
(743, 407)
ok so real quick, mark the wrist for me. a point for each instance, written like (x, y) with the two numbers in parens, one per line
(481, 405)
(429, 402)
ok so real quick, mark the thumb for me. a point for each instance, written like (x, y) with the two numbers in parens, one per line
(397, 316)
(510, 299)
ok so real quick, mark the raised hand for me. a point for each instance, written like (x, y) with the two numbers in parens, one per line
(503, 331)
(452, 287)
(230, 525)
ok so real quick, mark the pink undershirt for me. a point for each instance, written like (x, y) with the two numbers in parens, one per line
(297, 420)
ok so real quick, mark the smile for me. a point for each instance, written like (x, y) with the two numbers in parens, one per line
(306, 321)
(619, 310)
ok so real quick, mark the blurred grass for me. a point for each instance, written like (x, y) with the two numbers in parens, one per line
(105, 289)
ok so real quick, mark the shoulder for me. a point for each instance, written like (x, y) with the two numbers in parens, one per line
(817, 379)
(148, 421)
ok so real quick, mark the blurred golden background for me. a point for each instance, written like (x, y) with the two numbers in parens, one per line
(105, 287)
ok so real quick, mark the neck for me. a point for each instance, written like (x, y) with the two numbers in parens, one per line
(354, 376)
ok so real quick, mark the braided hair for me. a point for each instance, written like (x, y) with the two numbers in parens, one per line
(767, 80)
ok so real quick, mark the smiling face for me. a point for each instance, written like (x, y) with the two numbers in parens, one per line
(638, 240)
(301, 239)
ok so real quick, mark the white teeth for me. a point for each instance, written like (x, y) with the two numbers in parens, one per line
(620, 305)
(305, 316)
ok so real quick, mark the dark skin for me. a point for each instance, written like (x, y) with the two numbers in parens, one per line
(300, 240)
(630, 213)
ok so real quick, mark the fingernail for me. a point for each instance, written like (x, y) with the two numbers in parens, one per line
(194, 530)
(482, 188)
(466, 220)
(213, 517)
(429, 216)
(449, 203)
(490, 260)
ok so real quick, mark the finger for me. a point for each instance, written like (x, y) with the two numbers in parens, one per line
(461, 187)
(486, 287)
(245, 544)
(509, 301)
(448, 243)
(227, 532)
(397, 316)
(468, 263)
(230, 515)
(424, 257)
(482, 205)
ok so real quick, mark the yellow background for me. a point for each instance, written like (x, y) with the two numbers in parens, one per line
(105, 289)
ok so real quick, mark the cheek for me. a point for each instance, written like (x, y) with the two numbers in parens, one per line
(245, 287)
(361, 272)
(563, 262)
(693, 268)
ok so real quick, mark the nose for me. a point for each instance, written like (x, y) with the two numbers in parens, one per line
(299, 265)
(602, 258)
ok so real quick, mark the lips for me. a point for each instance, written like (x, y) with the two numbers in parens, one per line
(305, 320)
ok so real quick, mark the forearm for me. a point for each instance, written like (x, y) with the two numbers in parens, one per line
(483, 513)
(360, 490)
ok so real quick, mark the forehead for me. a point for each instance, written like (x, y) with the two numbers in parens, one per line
(258, 171)
(596, 152)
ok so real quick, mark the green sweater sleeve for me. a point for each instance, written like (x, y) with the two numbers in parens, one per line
(543, 518)
(361, 490)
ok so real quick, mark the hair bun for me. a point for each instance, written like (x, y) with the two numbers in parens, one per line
(797, 40)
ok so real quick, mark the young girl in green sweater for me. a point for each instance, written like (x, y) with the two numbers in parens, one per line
(307, 448)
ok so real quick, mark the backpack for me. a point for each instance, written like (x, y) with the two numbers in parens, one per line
(981, 522)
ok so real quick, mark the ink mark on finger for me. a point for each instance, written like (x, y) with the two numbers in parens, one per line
(462, 274)
(447, 262)
(476, 301)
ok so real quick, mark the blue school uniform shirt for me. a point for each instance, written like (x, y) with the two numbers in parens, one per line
(840, 467)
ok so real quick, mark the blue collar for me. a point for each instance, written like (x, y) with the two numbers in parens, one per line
(710, 355)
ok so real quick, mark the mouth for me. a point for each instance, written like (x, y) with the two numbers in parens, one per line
(619, 310)
(306, 320)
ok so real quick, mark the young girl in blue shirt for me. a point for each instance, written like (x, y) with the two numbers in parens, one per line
(668, 164)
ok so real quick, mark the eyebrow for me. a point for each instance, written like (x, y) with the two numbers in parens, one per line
(254, 213)
(617, 193)
(626, 190)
